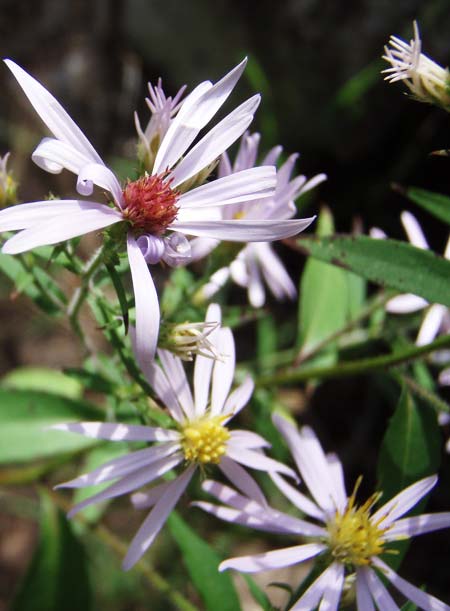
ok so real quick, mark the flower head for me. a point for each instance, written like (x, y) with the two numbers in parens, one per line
(152, 206)
(425, 79)
(349, 537)
(257, 262)
(199, 439)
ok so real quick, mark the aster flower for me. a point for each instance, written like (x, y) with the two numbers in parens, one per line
(257, 262)
(350, 538)
(199, 438)
(425, 79)
(154, 204)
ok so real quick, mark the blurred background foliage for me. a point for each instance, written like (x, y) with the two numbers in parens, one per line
(317, 64)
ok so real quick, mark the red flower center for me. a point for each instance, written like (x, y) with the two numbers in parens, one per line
(150, 204)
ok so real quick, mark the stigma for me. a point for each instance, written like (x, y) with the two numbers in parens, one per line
(204, 440)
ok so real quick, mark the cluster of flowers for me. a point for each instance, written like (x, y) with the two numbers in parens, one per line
(176, 213)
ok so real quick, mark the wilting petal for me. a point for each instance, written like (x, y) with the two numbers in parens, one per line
(194, 114)
(244, 230)
(52, 113)
(54, 155)
(216, 141)
(403, 502)
(117, 432)
(255, 183)
(273, 560)
(98, 174)
(61, 227)
(147, 305)
(156, 518)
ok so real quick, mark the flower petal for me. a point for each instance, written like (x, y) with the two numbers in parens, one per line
(274, 272)
(273, 560)
(146, 301)
(98, 174)
(316, 591)
(403, 502)
(238, 398)
(333, 590)
(52, 113)
(417, 525)
(243, 481)
(363, 595)
(176, 377)
(156, 518)
(257, 460)
(244, 230)
(149, 498)
(54, 155)
(61, 227)
(379, 593)
(404, 304)
(431, 324)
(194, 114)
(117, 432)
(216, 141)
(297, 498)
(223, 368)
(413, 230)
(248, 439)
(204, 365)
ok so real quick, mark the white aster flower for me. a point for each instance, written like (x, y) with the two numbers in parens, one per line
(425, 79)
(199, 438)
(257, 262)
(151, 205)
(348, 537)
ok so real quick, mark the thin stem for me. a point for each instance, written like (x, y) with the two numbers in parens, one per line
(438, 404)
(116, 544)
(353, 367)
(30, 269)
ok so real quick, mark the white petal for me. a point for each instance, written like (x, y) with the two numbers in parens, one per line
(98, 174)
(274, 272)
(297, 498)
(414, 230)
(238, 398)
(337, 477)
(194, 114)
(156, 518)
(244, 230)
(231, 497)
(257, 521)
(363, 595)
(204, 365)
(201, 247)
(418, 597)
(54, 155)
(257, 460)
(255, 183)
(379, 593)
(248, 439)
(24, 216)
(146, 301)
(256, 292)
(333, 590)
(403, 502)
(223, 368)
(52, 113)
(417, 525)
(404, 304)
(60, 228)
(117, 432)
(216, 141)
(176, 376)
(216, 281)
(273, 560)
(431, 324)
(316, 591)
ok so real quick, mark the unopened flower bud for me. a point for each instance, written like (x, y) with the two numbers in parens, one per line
(8, 186)
(188, 339)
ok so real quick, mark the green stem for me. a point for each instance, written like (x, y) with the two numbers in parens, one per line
(438, 404)
(48, 294)
(353, 367)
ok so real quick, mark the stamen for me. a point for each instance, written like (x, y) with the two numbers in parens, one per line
(204, 440)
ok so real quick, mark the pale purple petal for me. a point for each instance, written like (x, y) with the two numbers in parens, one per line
(257, 460)
(405, 304)
(431, 324)
(239, 230)
(194, 114)
(231, 497)
(316, 591)
(248, 439)
(403, 502)
(143, 475)
(204, 365)
(418, 597)
(54, 155)
(61, 227)
(223, 369)
(255, 287)
(417, 525)
(337, 477)
(52, 113)
(216, 141)
(377, 234)
(201, 247)
(176, 377)
(297, 498)
(145, 500)
(333, 589)
(238, 398)
(274, 272)
(273, 560)
(118, 432)
(228, 514)
(215, 282)
(24, 216)
(413, 230)
(379, 593)
(363, 595)
(98, 174)
(156, 518)
(243, 481)
(255, 183)
(146, 302)
(272, 156)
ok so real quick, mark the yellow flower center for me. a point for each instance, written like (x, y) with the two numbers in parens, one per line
(204, 440)
(353, 537)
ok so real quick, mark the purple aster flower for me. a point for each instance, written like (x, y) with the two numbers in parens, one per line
(200, 437)
(154, 204)
(348, 536)
(258, 262)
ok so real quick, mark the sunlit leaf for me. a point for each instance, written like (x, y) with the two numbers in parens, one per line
(42, 379)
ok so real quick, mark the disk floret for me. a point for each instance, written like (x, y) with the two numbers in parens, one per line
(204, 440)
(150, 203)
(354, 538)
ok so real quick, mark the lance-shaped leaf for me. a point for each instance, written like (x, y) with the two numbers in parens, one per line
(436, 204)
(389, 263)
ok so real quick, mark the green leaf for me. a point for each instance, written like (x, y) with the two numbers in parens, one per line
(24, 416)
(57, 577)
(42, 379)
(259, 596)
(120, 292)
(386, 262)
(216, 589)
(436, 204)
